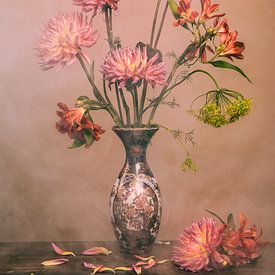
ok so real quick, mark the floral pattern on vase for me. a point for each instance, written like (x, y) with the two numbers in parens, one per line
(135, 199)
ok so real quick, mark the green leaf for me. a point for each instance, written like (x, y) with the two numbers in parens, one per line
(88, 104)
(174, 8)
(230, 222)
(88, 136)
(215, 215)
(77, 143)
(225, 65)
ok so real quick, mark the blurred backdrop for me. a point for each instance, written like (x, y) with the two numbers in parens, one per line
(49, 192)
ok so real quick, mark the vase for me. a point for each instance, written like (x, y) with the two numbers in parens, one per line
(135, 198)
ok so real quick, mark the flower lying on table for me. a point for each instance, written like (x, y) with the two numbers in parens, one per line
(205, 245)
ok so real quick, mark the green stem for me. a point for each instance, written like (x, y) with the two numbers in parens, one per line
(108, 20)
(126, 108)
(96, 92)
(161, 25)
(118, 102)
(135, 105)
(154, 22)
(159, 98)
(142, 101)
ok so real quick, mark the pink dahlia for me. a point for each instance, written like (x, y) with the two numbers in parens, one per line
(63, 38)
(196, 247)
(95, 5)
(130, 66)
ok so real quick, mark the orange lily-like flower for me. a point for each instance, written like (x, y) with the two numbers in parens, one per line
(208, 9)
(73, 121)
(230, 47)
(221, 27)
(241, 245)
(187, 15)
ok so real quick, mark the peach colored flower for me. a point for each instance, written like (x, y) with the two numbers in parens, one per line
(230, 47)
(196, 247)
(73, 121)
(63, 38)
(187, 15)
(241, 245)
(131, 66)
(95, 5)
(221, 27)
(208, 9)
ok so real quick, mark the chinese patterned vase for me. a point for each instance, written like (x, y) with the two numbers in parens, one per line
(135, 199)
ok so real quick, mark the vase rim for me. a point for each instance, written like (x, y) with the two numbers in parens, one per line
(145, 128)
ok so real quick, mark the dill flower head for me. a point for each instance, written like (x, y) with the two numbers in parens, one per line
(63, 38)
(129, 67)
(238, 109)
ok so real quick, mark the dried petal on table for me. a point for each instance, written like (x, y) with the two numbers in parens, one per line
(55, 262)
(97, 251)
(137, 269)
(162, 261)
(144, 258)
(89, 265)
(61, 252)
(150, 264)
(123, 268)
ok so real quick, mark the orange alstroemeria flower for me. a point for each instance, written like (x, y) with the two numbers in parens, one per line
(73, 121)
(208, 9)
(187, 15)
(241, 245)
(230, 47)
(221, 27)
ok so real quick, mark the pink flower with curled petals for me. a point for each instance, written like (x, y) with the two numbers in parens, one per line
(230, 47)
(196, 247)
(96, 5)
(131, 66)
(63, 38)
(186, 14)
(208, 9)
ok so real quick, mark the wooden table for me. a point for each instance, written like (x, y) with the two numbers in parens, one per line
(25, 258)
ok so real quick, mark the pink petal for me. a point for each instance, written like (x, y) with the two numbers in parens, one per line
(61, 252)
(162, 261)
(89, 265)
(55, 262)
(151, 263)
(137, 269)
(97, 251)
(141, 263)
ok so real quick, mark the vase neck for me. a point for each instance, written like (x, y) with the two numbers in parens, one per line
(135, 142)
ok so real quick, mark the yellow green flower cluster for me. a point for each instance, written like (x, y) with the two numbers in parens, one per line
(238, 109)
(217, 116)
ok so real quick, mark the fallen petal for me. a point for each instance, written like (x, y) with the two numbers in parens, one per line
(89, 265)
(97, 269)
(143, 258)
(103, 269)
(162, 262)
(97, 251)
(61, 252)
(141, 263)
(137, 269)
(55, 262)
(123, 268)
(151, 263)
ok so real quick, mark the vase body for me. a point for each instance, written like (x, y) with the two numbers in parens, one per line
(135, 199)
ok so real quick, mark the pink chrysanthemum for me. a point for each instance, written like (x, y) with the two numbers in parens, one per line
(130, 66)
(196, 247)
(95, 5)
(63, 38)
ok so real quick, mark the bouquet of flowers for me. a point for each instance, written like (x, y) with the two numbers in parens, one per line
(130, 72)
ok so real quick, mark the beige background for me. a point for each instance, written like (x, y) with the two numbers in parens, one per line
(49, 192)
